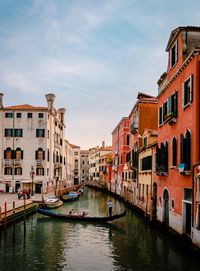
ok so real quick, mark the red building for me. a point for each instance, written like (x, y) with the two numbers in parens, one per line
(178, 134)
(120, 147)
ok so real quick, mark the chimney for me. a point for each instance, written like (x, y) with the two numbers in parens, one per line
(103, 144)
(62, 113)
(50, 100)
(1, 100)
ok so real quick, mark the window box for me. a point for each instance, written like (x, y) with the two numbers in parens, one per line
(172, 120)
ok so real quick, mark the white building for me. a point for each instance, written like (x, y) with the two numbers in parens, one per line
(32, 137)
(75, 164)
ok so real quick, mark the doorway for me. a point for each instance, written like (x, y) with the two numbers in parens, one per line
(166, 207)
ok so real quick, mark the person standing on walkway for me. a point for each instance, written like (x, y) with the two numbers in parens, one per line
(110, 207)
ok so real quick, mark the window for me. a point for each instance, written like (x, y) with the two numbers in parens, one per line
(19, 115)
(8, 115)
(160, 115)
(187, 91)
(48, 155)
(174, 152)
(146, 163)
(145, 141)
(61, 141)
(8, 132)
(185, 150)
(164, 111)
(40, 132)
(19, 154)
(7, 171)
(83, 171)
(40, 171)
(8, 153)
(55, 123)
(75, 153)
(40, 115)
(18, 132)
(172, 204)
(18, 171)
(29, 115)
(162, 159)
(127, 140)
(83, 162)
(48, 133)
(40, 154)
(128, 156)
(121, 159)
(174, 54)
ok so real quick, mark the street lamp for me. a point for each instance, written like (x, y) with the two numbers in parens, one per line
(32, 174)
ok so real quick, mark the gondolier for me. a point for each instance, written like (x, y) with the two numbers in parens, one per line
(110, 207)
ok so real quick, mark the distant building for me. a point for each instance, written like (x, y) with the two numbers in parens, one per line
(84, 166)
(76, 164)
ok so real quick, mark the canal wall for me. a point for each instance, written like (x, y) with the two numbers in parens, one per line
(186, 243)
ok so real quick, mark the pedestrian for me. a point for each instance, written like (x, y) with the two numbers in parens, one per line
(110, 207)
(18, 193)
(28, 194)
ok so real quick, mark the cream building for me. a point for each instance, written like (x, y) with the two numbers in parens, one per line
(32, 138)
(84, 166)
(75, 164)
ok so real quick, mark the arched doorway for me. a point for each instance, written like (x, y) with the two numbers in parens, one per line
(166, 207)
(154, 207)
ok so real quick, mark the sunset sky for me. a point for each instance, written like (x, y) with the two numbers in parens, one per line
(93, 55)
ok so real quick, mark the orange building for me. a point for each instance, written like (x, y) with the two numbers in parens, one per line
(144, 115)
(178, 134)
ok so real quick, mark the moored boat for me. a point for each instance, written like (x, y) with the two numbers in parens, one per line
(53, 203)
(94, 219)
(69, 197)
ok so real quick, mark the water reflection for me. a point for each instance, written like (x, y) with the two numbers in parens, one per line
(42, 243)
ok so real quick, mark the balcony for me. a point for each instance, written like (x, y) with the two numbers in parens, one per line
(39, 162)
(114, 168)
(183, 169)
(18, 162)
(58, 165)
(198, 196)
(7, 162)
(134, 127)
(170, 118)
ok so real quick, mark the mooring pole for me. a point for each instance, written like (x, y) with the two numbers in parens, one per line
(5, 214)
(24, 208)
(14, 211)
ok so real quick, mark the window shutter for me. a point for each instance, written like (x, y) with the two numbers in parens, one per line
(22, 154)
(176, 51)
(21, 132)
(43, 155)
(183, 95)
(42, 171)
(181, 148)
(5, 171)
(5, 134)
(4, 154)
(37, 171)
(169, 105)
(36, 155)
(171, 58)
(15, 171)
(13, 154)
(43, 132)
(12, 132)
(15, 132)
(20, 171)
(191, 88)
(37, 133)
(175, 105)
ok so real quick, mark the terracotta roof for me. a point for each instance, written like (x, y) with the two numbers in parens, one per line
(144, 95)
(25, 106)
(109, 148)
(176, 31)
(84, 151)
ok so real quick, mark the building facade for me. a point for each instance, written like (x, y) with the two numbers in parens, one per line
(32, 140)
(84, 167)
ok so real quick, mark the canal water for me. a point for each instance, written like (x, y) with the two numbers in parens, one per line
(42, 243)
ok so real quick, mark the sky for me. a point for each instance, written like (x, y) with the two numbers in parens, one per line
(94, 55)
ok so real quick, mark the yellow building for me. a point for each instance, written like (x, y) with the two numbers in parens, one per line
(145, 170)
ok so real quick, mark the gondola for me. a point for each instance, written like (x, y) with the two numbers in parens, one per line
(94, 219)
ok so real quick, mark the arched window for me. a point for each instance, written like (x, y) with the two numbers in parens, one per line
(7, 153)
(40, 154)
(19, 154)
(127, 140)
(174, 152)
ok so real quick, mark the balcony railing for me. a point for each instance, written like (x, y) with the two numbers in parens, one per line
(39, 162)
(17, 162)
(58, 165)
(134, 127)
(114, 168)
(7, 162)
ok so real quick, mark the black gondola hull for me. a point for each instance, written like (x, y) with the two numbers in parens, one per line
(81, 218)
